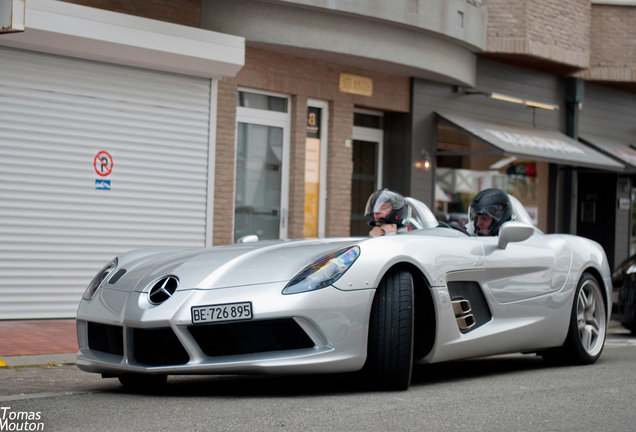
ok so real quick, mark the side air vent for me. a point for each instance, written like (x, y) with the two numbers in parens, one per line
(163, 289)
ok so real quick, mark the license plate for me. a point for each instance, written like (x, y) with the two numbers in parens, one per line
(222, 312)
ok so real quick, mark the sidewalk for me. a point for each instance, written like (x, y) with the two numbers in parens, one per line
(54, 341)
(37, 342)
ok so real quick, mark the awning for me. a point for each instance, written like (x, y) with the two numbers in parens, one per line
(535, 144)
(613, 147)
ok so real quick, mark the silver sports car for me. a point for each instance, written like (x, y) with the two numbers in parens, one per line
(372, 305)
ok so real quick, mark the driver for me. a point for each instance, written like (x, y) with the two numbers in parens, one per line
(488, 211)
(386, 212)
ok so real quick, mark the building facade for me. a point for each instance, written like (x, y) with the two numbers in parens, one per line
(195, 123)
(108, 129)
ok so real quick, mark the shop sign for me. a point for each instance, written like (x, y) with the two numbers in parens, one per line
(356, 84)
(535, 142)
(626, 155)
(312, 172)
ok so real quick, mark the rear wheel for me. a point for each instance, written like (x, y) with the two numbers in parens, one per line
(588, 326)
(390, 346)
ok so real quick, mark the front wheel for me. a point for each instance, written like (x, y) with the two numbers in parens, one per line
(390, 345)
(588, 326)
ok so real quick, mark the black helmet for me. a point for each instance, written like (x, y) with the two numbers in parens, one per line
(492, 202)
(384, 198)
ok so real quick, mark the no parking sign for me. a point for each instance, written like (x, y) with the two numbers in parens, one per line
(103, 163)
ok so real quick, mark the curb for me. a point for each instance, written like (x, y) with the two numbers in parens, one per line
(37, 360)
(614, 327)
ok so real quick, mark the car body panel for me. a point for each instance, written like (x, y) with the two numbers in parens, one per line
(537, 266)
(624, 302)
(339, 336)
(523, 293)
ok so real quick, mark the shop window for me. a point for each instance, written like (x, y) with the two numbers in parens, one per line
(368, 120)
(465, 166)
(262, 102)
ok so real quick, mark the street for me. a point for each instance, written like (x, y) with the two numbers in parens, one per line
(503, 393)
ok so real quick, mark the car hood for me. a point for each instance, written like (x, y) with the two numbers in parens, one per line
(222, 266)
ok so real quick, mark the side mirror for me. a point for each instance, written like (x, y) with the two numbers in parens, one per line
(511, 232)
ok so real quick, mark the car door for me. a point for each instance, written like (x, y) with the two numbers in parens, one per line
(527, 269)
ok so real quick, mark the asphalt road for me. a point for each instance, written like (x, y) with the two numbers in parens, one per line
(504, 393)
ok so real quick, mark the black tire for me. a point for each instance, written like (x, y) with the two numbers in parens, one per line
(390, 346)
(588, 326)
(143, 382)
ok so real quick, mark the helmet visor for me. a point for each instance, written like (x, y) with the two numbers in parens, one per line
(383, 203)
(496, 211)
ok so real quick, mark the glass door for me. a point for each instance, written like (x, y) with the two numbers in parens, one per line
(367, 166)
(262, 159)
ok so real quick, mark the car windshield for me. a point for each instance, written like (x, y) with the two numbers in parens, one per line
(419, 215)
(519, 211)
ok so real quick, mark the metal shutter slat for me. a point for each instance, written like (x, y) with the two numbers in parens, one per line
(56, 228)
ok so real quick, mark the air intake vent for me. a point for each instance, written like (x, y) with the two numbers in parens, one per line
(163, 289)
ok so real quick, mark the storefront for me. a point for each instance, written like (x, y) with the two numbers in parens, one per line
(107, 145)
(606, 124)
(329, 63)
(310, 139)
(507, 132)
(485, 153)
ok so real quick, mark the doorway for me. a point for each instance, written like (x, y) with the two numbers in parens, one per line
(262, 160)
(367, 165)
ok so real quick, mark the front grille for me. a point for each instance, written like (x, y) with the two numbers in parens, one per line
(106, 338)
(250, 337)
(158, 347)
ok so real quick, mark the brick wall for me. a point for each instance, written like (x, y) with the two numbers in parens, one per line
(185, 12)
(613, 50)
(298, 134)
(339, 170)
(225, 157)
(301, 79)
(555, 30)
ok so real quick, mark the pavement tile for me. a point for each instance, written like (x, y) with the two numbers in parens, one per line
(37, 337)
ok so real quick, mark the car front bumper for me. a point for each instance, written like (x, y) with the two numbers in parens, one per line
(324, 331)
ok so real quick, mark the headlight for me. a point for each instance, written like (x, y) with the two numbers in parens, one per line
(99, 279)
(323, 272)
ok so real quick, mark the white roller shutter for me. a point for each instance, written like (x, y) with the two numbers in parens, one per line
(56, 227)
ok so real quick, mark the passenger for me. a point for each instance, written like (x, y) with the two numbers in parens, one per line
(488, 211)
(386, 212)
